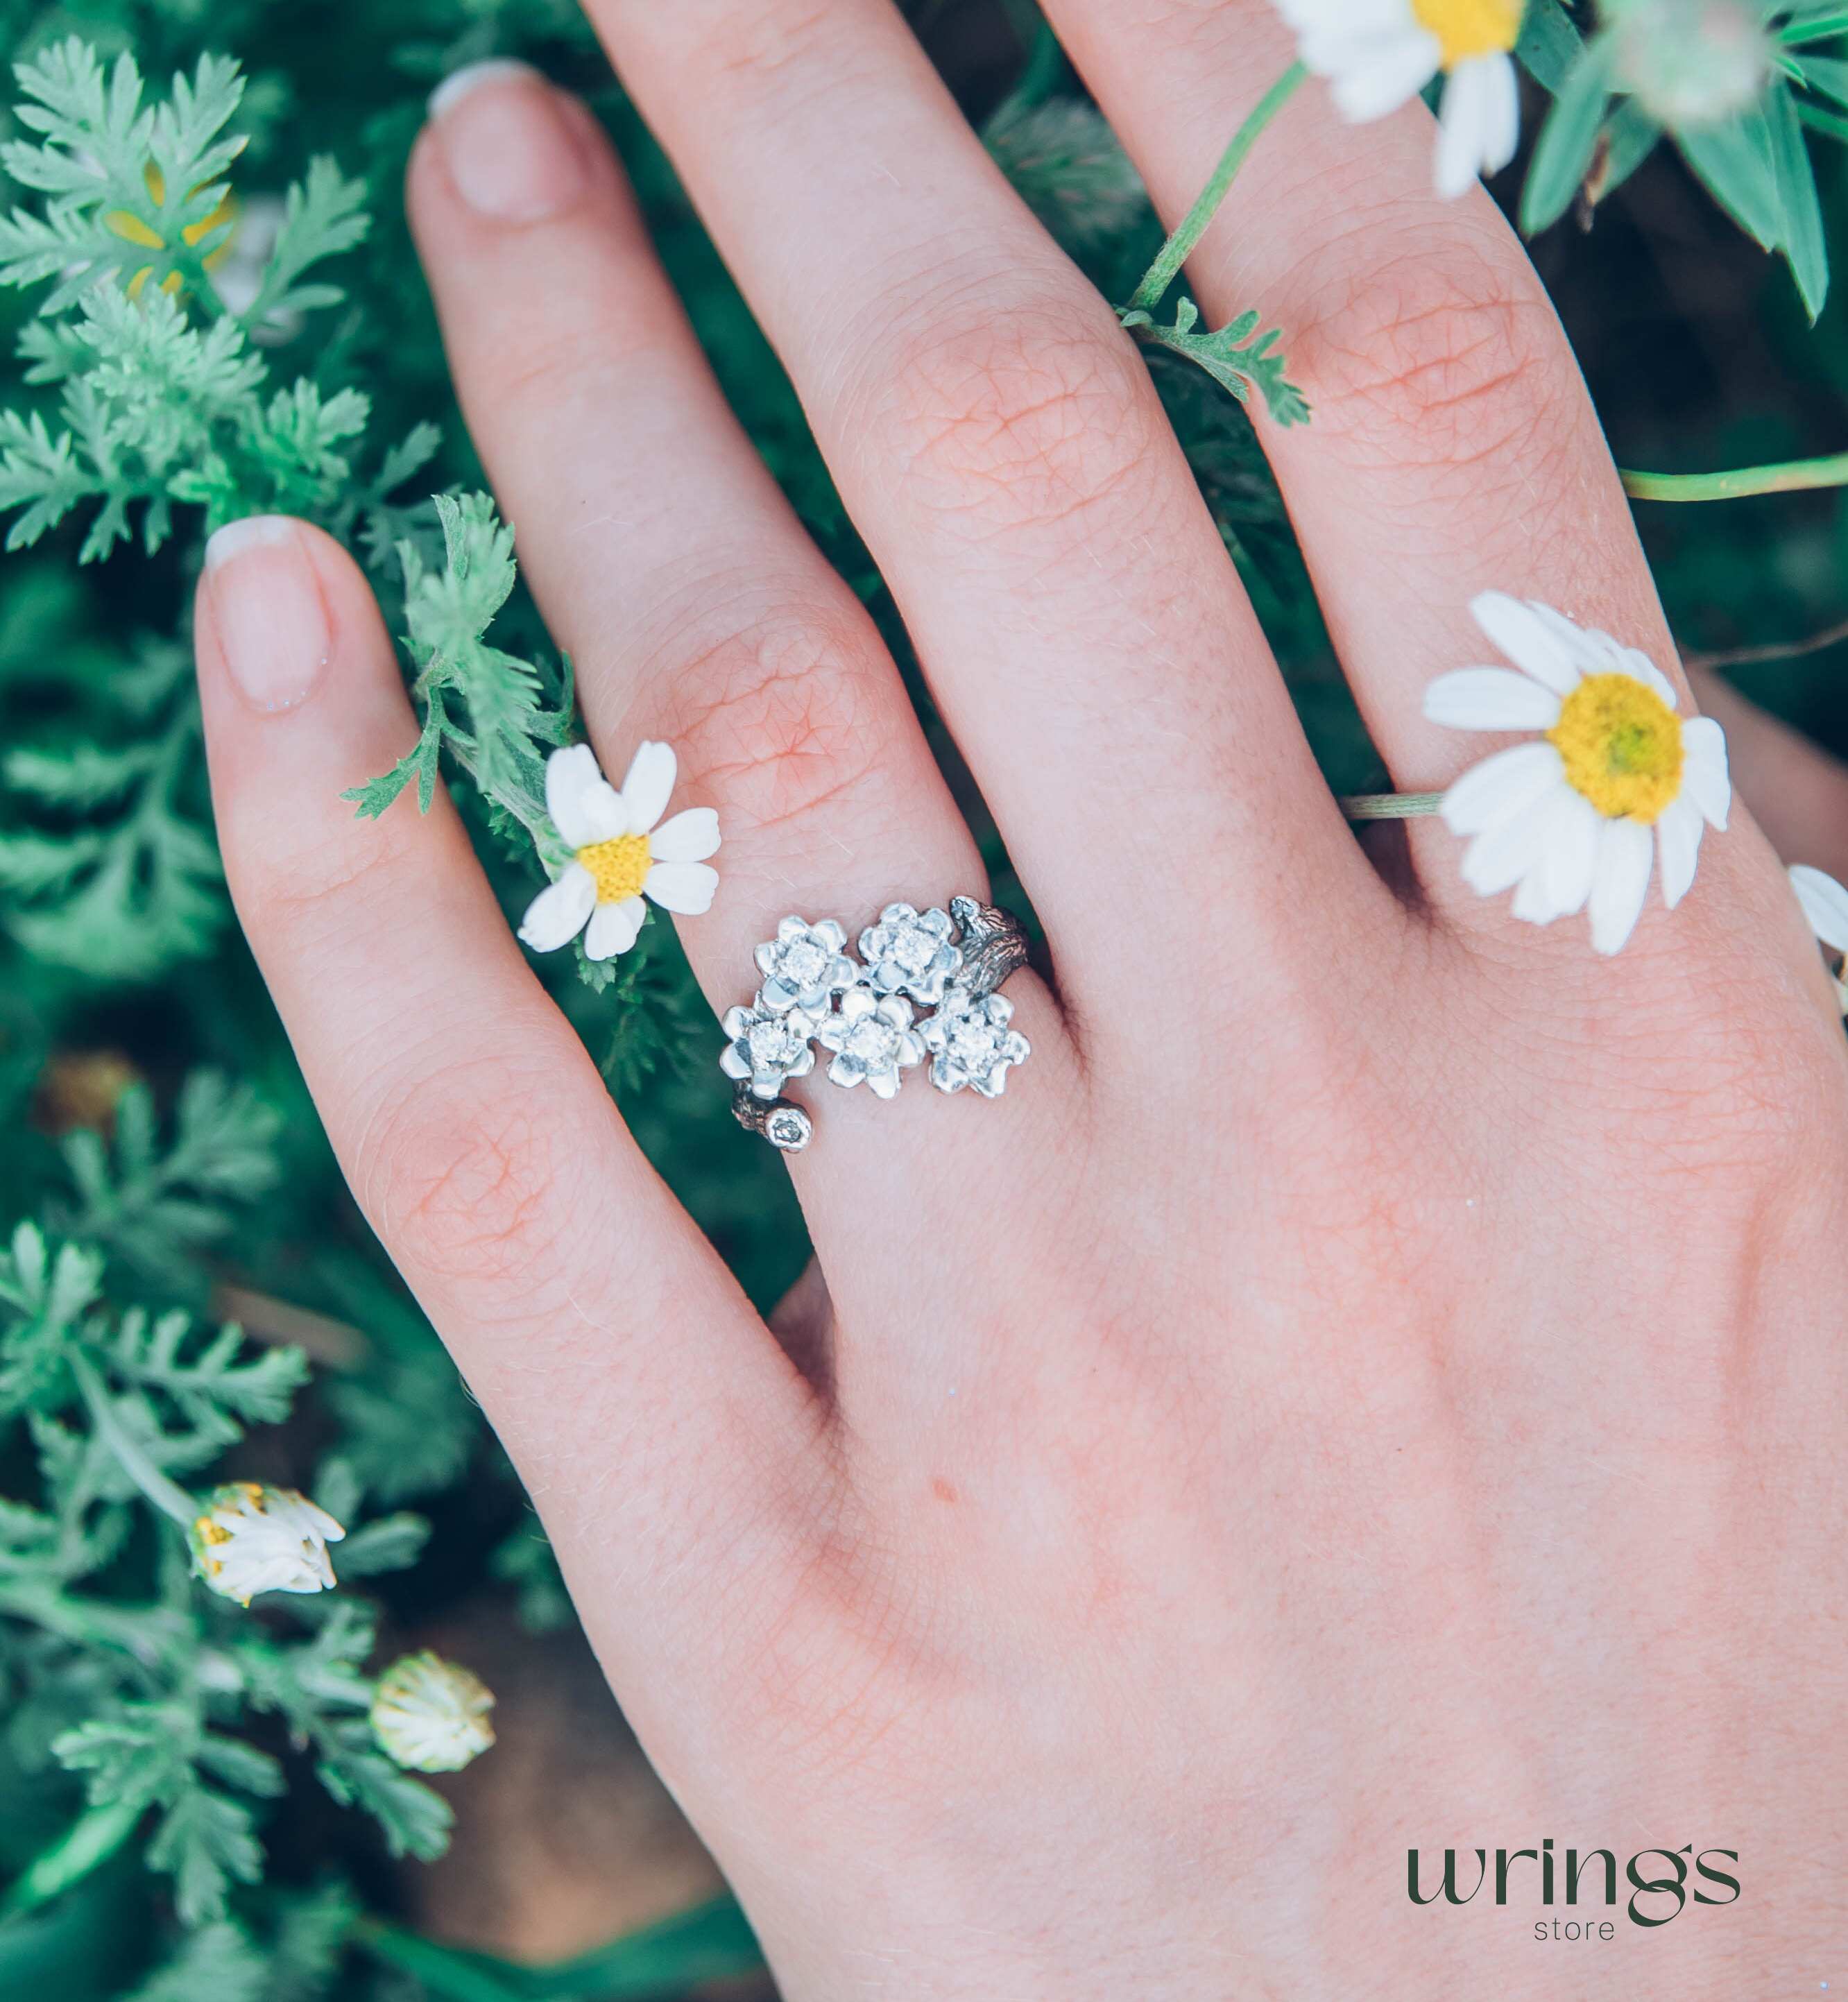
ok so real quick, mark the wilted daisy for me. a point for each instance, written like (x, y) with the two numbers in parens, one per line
(431, 1715)
(1577, 819)
(1825, 905)
(1379, 54)
(622, 855)
(255, 1538)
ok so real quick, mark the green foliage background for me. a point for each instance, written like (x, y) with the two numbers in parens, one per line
(156, 1747)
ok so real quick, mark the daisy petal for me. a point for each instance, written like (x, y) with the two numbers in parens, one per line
(1349, 18)
(685, 886)
(1500, 786)
(584, 805)
(556, 915)
(1496, 860)
(1619, 883)
(650, 781)
(1489, 699)
(1679, 831)
(603, 812)
(1500, 111)
(1465, 122)
(1704, 776)
(1571, 852)
(1582, 647)
(1533, 903)
(613, 927)
(688, 837)
(1523, 632)
(1632, 661)
(1370, 78)
(1825, 904)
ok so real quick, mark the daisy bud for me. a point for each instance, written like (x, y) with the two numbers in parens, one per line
(430, 1715)
(1691, 62)
(255, 1538)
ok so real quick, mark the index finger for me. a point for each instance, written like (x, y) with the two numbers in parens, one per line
(647, 1407)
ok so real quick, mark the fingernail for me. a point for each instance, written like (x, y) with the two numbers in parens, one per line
(510, 153)
(267, 610)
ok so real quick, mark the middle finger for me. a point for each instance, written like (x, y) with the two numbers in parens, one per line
(1001, 447)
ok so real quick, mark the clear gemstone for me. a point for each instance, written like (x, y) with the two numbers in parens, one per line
(804, 962)
(774, 1044)
(971, 1041)
(788, 1129)
(914, 948)
(874, 1042)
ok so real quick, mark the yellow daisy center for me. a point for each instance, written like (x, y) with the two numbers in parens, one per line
(1622, 746)
(619, 867)
(1469, 28)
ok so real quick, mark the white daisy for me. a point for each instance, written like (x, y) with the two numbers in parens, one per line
(255, 1538)
(621, 855)
(1379, 54)
(431, 1715)
(1825, 905)
(1578, 819)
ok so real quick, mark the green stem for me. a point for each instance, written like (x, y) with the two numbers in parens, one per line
(1391, 806)
(167, 1496)
(88, 1844)
(1794, 475)
(1175, 253)
(87, 1622)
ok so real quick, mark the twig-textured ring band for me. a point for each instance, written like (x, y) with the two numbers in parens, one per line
(926, 984)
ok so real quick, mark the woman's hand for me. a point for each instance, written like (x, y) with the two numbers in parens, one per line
(1375, 1381)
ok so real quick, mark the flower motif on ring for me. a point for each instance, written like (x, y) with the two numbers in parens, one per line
(909, 952)
(873, 1040)
(805, 965)
(971, 1042)
(768, 1046)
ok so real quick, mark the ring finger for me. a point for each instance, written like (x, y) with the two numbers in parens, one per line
(1454, 449)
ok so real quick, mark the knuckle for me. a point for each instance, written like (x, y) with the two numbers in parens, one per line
(1027, 420)
(765, 43)
(790, 709)
(302, 890)
(464, 1175)
(832, 1665)
(1759, 1100)
(548, 366)
(1440, 359)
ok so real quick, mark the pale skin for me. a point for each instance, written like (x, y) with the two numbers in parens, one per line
(1376, 1378)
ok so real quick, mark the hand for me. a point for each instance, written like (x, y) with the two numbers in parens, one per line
(1374, 1382)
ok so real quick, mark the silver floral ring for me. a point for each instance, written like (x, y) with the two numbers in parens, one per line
(926, 984)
